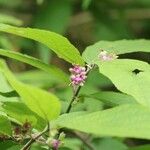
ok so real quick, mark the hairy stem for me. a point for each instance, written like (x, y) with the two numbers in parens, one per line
(32, 140)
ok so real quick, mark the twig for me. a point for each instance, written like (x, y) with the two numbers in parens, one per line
(75, 95)
(85, 141)
(73, 99)
(32, 140)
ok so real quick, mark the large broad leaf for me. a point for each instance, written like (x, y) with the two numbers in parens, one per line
(22, 114)
(5, 126)
(118, 47)
(54, 71)
(129, 76)
(59, 44)
(123, 121)
(112, 98)
(39, 101)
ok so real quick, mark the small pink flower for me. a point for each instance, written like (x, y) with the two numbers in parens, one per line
(78, 75)
(105, 56)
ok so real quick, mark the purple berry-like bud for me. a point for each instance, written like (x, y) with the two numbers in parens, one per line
(55, 144)
(78, 75)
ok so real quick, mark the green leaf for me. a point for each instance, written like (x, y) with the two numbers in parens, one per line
(36, 63)
(129, 76)
(56, 14)
(10, 20)
(38, 78)
(109, 143)
(5, 42)
(6, 145)
(59, 44)
(91, 53)
(5, 126)
(16, 147)
(38, 147)
(86, 3)
(11, 4)
(22, 113)
(142, 147)
(112, 98)
(72, 144)
(45, 104)
(122, 121)
(5, 90)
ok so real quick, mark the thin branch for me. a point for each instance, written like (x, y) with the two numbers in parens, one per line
(73, 99)
(32, 140)
(77, 91)
(85, 141)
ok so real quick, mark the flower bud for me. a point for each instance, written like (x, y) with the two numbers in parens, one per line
(78, 75)
(105, 56)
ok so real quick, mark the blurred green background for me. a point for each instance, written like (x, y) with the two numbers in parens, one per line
(83, 22)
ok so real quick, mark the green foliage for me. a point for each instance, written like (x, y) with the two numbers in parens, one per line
(108, 143)
(56, 14)
(143, 147)
(112, 106)
(5, 90)
(5, 145)
(23, 114)
(91, 53)
(86, 3)
(10, 20)
(53, 70)
(122, 121)
(59, 44)
(5, 126)
(39, 78)
(122, 73)
(38, 100)
(112, 98)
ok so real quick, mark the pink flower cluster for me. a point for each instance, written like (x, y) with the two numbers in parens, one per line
(105, 56)
(78, 75)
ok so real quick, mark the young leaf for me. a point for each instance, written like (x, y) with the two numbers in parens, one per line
(129, 76)
(22, 113)
(45, 104)
(118, 47)
(5, 126)
(36, 63)
(122, 121)
(59, 44)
